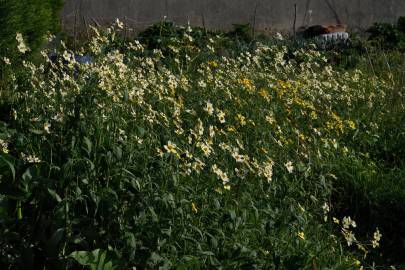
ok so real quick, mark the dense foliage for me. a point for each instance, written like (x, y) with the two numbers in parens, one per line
(183, 153)
(32, 18)
(389, 35)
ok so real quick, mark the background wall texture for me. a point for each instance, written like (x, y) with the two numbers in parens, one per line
(265, 15)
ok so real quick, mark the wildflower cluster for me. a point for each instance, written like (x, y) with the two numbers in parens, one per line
(165, 153)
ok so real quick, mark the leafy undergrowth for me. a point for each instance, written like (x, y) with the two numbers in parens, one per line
(190, 158)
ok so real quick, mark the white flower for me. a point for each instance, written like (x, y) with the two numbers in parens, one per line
(238, 157)
(209, 108)
(349, 236)
(30, 158)
(47, 127)
(267, 170)
(205, 148)
(279, 36)
(119, 23)
(6, 61)
(221, 116)
(221, 175)
(347, 222)
(3, 146)
(22, 48)
(170, 147)
(326, 208)
(377, 238)
(289, 166)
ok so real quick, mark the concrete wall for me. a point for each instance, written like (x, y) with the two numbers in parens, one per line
(266, 15)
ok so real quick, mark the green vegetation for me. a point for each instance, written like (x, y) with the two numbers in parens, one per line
(389, 36)
(188, 149)
(32, 18)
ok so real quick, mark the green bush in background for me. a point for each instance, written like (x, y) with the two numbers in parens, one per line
(388, 35)
(32, 18)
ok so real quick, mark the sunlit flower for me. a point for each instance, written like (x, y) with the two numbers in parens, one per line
(209, 108)
(194, 207)
(6, 61)
(213, 63)
(171, 147)
(47, 127)
(159, 152)
(349, 236)
(221, 116)
(241, 119)
(4, 146)
(289, 166)
(119, 24)
(301, 235)
(22, 48)
(335, 220)
(221, 175)
(347, 222)
(205, 148)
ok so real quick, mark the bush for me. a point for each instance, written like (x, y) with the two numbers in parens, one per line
(388, 35)
(32, 18)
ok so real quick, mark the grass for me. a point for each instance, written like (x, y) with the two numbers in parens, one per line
(194, 150)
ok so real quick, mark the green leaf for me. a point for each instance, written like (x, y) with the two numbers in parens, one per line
(232, 214)
(89, 145)
(36, 131)
(96, 259)
(10, 165)
(55, 195)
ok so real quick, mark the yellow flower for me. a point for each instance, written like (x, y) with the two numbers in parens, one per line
(231, 129)
(246, 83)
(194, 207)
(301, 235)
(351, 124)
(213, 64)
(263, 92)
(241, 119)
(314, 115)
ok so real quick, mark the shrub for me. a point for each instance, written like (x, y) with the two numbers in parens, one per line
(401, 24)
(388, 35)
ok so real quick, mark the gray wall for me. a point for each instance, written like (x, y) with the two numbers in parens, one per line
(266, 15)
